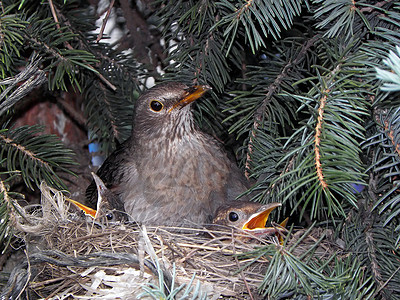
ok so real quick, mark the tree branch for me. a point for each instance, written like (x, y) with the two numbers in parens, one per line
(272, 89)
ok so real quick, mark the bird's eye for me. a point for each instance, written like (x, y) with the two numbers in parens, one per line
(156, 105)
(233, 216)
(110, 216)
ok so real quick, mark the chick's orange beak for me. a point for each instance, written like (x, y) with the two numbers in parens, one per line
(87, 210)
(259, 219)
(192, 94)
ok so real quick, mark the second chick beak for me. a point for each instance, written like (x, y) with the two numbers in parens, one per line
(94, 213)
(87, 210)
(259, 219)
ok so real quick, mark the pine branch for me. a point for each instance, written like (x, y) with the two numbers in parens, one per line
(272, 89)
(338, 16)
(11, 38)
(22, 84)
(195, 47)
(62, 62)
(384, 144)
(372, 244)
(35, 157)
(120, 78)
(301, 109)
(110, 112)
(293, 272)
(390, 78)
(329, 168)
(317, 140)
(55, 12)
(258, 20)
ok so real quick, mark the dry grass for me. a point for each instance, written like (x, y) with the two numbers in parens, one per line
(215, 256)
(211, 255)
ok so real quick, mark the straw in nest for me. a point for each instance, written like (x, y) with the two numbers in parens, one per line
(71, 258)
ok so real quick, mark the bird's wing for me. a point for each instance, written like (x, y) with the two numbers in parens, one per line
(110, 173)
(236, 184)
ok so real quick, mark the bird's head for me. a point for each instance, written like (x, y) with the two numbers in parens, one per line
(110, 208)
(165, 109)
(247, 216)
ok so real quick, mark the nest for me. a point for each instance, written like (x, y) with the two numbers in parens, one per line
(71, 258)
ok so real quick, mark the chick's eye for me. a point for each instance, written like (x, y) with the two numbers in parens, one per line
(156, 105)
(110, 216)
(233, 216)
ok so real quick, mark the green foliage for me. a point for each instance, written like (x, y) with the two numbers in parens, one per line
(391, 78)
(338, 16)
(292, 272)
(36, 49)
(255, 102)
(63, 62)
(256, 20)
(306, 93)
(10, 28)
(27, 153)
(199, 55)
(109, 118)
(310, 120)
(333, 130)
(183, 291)
(384, 149)
(372, 243)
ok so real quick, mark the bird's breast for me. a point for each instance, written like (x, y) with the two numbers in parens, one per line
(185, 180)
(193, 163)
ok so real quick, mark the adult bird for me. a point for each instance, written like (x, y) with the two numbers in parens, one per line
(169, 172)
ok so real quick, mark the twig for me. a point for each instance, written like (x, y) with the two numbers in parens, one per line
(244, 8)
(60, 288)
(53, 12)
(390, 134)
(241, 271)
(180, 254)
(108, 83)
(77, 116)
(68, 45)
(317, 140)
(141, 253)
(271, 90)
(34, 285)
(28, 271)
(376, 5)
(103, 26)
(91, 236)
(387, 281)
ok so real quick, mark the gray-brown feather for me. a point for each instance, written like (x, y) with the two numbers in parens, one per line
(169, 172)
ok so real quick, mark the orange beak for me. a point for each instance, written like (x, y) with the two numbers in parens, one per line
(87, 210)
(259, 219)
(192, 94)
(283, 224)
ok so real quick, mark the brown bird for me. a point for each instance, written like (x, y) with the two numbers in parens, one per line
(169, 172)
(248, 216)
